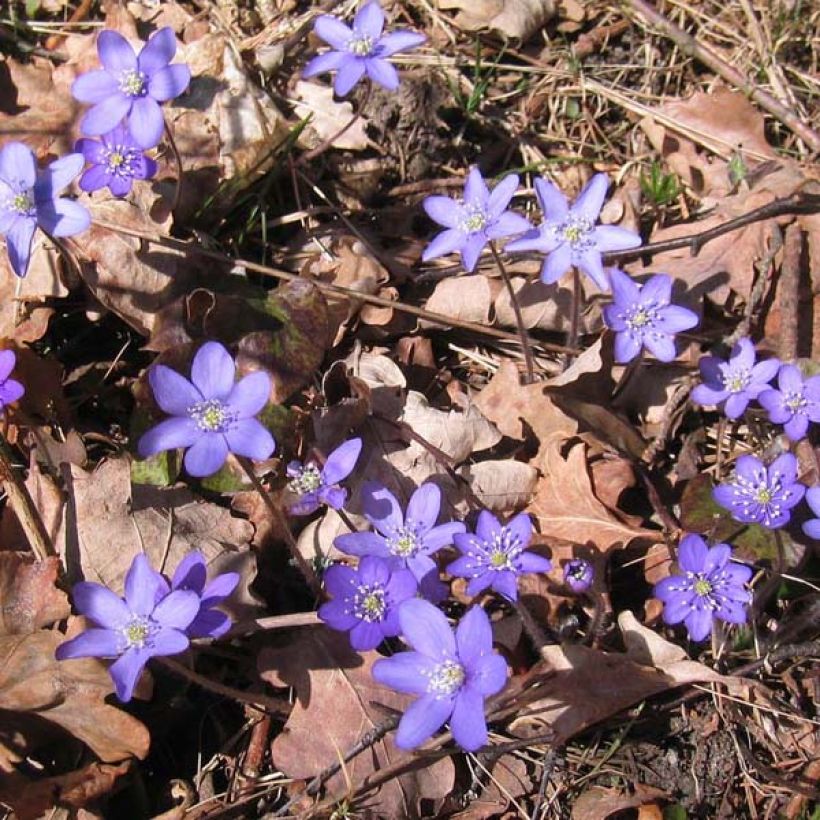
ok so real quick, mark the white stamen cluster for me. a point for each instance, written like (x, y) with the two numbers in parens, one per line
(577, 231)
(120, 160)
(446, 679)
(138, 632)
(21, 202)
(308, 480)
(360, 44)
(369, 602)
(795, 401)
(763, 492)
(475, 219)
(404, 542)
(498, 554)
(132, 83)
(737, 379)
(212, 416)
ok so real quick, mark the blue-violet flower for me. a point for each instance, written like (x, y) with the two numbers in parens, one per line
(310, 485)
(474, 221)
(211, 415)
(452, 674)
(796, 404)
(116, 161)
(812, 526)
(570, 236)
(709, 587)
(578, 574)
(10, 389)
(496, 555)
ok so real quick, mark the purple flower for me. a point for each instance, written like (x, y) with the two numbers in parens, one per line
(578, 574)
(759, 494)
(642, 316)
(812, 526)
(569, 235)
(406, 541)
(452, 673)
(131, 86)
(360, 50)
(116, 161)
(211, 415)
(134, 629)
(736, 381)
(10, 389)
(474, 221)
(366, 600)
(314, 486)
(28, 198)
(709, 587)
(496, 555)
(192, 574)
(795, 404)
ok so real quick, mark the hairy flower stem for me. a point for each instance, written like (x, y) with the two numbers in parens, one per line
(535, 632)
(519, 319)
(575, 315)
(327, 143)
(626, 376)
(283, 526)
(178, 160)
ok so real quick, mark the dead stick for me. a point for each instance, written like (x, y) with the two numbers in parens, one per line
(690, 46)
(788, 293)
(294, 619)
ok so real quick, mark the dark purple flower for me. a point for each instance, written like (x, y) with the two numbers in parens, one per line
(475, 220)
(709, 587)
(496, 555)
(10, 389)
(642, 316)
(796, 404)
(313, 486)
(406, 541)
(736, 381)
(192, 574)
(134, 629)
(812, 526)
(759, 494)
(452, 673)
(131, 86)
(211, 415)
(28, 198)
(366, 600)
(360, 50)
(578, 574)
(116, 161)
(569, 235)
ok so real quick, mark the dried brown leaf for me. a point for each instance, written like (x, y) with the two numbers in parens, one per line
(327, 117)
(29, 598)
(502, 485)
(518, 19)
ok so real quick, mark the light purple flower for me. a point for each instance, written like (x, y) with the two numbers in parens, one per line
(116, 161)
(578, 574)
(709, 587)
(211, 415)
(360, 50)
(796, 404)
(734, 382)
(131, 87)
(570, 236)
(812, 526)
(496, 555)
(406, 541)
(192, 574)
(760, 494)
(366, 600)
(134, 629)
(10, 389)
(475, 220)
(29, 198)
(313, 486)
(452, 674)
(643, 316)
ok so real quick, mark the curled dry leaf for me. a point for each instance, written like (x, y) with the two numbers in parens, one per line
(337, 702)
(502, 485)
(29, 598)
(598, 803)
(517, 19)
(327, 117)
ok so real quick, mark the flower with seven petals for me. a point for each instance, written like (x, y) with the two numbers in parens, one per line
(116, 161)
(796, 404)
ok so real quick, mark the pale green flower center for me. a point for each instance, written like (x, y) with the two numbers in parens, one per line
(361, 45)
(499, 559)
(702, 587)
(369, 603)
(404, 543)
(447, 677)
(115, 159)
(137, 632)
(132, 83)
(795, 401)
(764, 495)
(640, 318)
(474, 222)
(739, 380)
(212, 416)
(308, 481)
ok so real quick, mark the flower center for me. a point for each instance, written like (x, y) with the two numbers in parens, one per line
(702, 587)
(132, 83)
(447, 677)
(369, 603)
(360, 44)
(499, 559)
(795, 401)
(738, 380)
(308, 480)
(22, 202)
(501, 550)
(119, 160)
(404, 543)
(764, 495)
(137, 632)
(577, 572)
(474, 221)
(576, 231)
(212, 416)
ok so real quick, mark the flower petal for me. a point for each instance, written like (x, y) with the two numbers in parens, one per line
(18, 244)
(341, 461)
(406, 672)
(169, 82)
(489, 675)
(361, 543)
(520, 527)
(612, 238)
(476, 194)
(442, 536)
(532, 562)
(508, 224)
(250, 394)
(467, 722)
(206, 455)
(63, 217)
(692, 553)
(426, 629)
(170, 641)
(212, 371)
(177, 609)
(168, 435)
(100, 604)
(551, 199)
(381, 508)
(538, 239)
(369, 20)
(366, 635)
(250, 438)
(474, 636)
(349, 73)
(94, 86)
(141, 586)
(10, 391)
(126, 670)
(471, 250)
(191, 573)
(421, 719)
(92, 643)
(18, 167)
(591, 199)
(105, 115)
(661, 346)
(590, 263)
(674, 319)
(333, 31)
(699, 624)
(501, 195)
(115, 52)
(382, 73)
(8, 359)
(146, 122)
(736, 405)
(487, 526)
(94, 178)
(402, 40)
(556, 264)
(627, 346)
(158, 51)
(172, 391)
(329, 61)
(443, 209)
(443, 243)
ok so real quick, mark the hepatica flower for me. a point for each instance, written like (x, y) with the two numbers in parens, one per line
(133, 629)
(451, 673)
(131, 86)
(29, 198)
(569, 234)
(496, 555)
(578, 575)
(116, 161)
(210, 414)
(366, 600)
(812, 526)
(708, 587)
(312, 485)
(734, 383)
(796, 404)
(475, 220)
(406, 541)
(360, 50)
(10, 389)
(643, 316)
(760, 494)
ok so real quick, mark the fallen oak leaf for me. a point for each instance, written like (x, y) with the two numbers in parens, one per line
(29, 598)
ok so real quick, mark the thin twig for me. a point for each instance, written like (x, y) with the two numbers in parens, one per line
(575, 315)
(178, 159)
(289, 621)
(788, 294)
